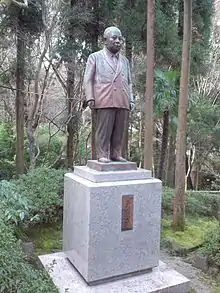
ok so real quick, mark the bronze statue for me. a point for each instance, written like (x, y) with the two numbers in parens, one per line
(108, 90)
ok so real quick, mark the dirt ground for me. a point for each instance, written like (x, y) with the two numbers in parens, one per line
(200, 282)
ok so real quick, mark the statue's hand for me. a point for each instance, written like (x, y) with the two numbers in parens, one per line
(132, 106)
(91, 104)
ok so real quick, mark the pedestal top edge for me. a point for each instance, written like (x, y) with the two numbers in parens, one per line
(111, 166)
(90, 183)
(86, 168)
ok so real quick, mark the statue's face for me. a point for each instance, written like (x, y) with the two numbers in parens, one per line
(114, 41)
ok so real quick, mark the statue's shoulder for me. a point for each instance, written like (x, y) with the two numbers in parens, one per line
(124, 59)
(96, 54)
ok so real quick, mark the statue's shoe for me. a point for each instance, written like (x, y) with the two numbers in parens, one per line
(118, 159)
(104, 160)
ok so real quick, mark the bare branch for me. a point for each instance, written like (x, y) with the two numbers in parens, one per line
(48, 34)
(60, 154)
(58, 75)
(7, 87)
(20, 4)
(54, 123)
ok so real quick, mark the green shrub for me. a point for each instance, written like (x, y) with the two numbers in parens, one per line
(7, 169)
(49, 147)
(211, 246)
(202, 203)
(43, 190)
(7, 149)
(16, 274)
(197, 203)
(216, 184)
(14, 206)
(167, 200)
(36, 193)
(6, 140)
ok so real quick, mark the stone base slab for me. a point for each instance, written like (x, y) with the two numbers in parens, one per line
(111, 166)
(161, 280)
(108, 176)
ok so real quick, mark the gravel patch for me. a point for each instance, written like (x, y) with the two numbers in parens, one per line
(196, 276)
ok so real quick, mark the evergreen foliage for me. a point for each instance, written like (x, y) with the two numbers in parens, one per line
(16, 275)
(211, 247)
(34, 198)
(197, 203)
(43, 190)
(30, 17)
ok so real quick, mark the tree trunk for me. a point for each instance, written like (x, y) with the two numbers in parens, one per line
(195, 176)
(72, 127)
(148, 144)
(170, 170)
(179, 200)
(189, 184)
(20, 97)
(156, 152)
(141, 139)
(180, 18)
(94, 42)
(164, 144)
(126, 133)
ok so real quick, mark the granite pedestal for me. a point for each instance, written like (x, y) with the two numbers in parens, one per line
(111, 234)
(111, 220)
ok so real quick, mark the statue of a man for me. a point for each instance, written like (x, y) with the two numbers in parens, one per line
(108, 90)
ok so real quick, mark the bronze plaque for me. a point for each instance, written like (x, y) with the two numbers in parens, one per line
(127, 212)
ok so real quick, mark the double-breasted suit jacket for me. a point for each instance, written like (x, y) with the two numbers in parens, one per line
(107, 80)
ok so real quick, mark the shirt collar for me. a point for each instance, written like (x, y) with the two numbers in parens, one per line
(110, 54)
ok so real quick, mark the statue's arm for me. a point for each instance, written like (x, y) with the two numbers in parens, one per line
(89, 78)
(130, 84)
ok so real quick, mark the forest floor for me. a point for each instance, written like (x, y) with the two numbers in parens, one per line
(200, 282)
(49, 240)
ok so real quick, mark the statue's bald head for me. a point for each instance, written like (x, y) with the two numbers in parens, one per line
(110, 31)
(113, 39)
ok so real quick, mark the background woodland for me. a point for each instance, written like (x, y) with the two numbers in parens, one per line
(45, 130)
(43, 52)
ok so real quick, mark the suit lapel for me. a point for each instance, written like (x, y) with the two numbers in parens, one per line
(119, 67)
(119, 64)
(107, 59)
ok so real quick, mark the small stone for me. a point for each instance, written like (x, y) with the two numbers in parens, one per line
(28, 248)
(214, 271)
(200, 261)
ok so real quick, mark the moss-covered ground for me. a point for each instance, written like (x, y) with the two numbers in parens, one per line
(47, 239)
(193, 235)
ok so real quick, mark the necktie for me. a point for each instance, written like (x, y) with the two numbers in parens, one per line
(115, 61)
